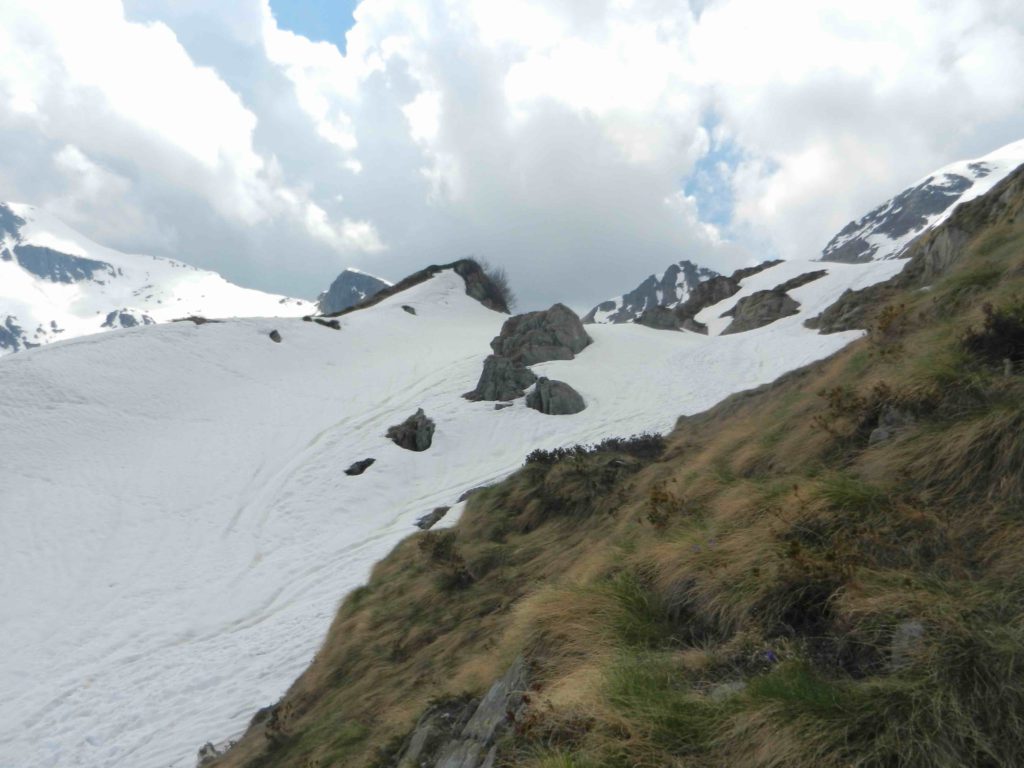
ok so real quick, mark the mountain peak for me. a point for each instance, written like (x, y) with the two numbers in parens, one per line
(668, 289)
(348, 289)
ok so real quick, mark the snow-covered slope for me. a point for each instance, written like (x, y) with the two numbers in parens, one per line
(176, 527)
(886, 231)
(348, 289)
(57, 284)
(669, 289)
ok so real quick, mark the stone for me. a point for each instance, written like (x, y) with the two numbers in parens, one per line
(502, 406)
(333, 323)
(410, 310)
(536, 337)
(555, 398)
(760, 309)
(430, 519)
(890, 421)
(359, 467)
(275, 336)
(414, 434)
(501, 379)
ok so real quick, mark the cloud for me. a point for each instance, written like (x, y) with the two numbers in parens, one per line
(563, 140)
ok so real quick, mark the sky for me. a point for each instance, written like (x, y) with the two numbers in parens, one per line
(580, 144)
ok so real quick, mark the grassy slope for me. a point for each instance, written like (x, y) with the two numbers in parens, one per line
(867, 598)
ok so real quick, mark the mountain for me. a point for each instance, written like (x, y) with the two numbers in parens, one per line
(180, 541)
(57, 284)
(669, 289)
(348, 289)
(823, 571)
(886, 231)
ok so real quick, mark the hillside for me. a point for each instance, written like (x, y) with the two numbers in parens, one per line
(823, 571)
(196, 519)
(57, 284)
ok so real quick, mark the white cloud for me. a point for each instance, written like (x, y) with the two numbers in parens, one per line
(552, 136)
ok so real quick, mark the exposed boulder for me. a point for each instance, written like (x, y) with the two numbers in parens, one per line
(410, 310)
(760, 309)
(358, 467)
(536, 337)
(275, 336)
(461, 733)
(332, 323)
(502, 406)
(197, 319)
(414, 434)
(501, 379)
(348, 289)
(430, 519)
(555, 398)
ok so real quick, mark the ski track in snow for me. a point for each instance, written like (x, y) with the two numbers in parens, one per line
(176, 529)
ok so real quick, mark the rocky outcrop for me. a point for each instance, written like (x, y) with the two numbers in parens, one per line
(479, 286)
(555, 398)
(536, 337)
(800, 280)
(430, 519)
(348, 289)
(668, 289)
(501, 379)
(127, 318)
(358, 467)
(414, 434)
(461, 733)
(659, 318)
(890, 421)
(58, 267)
(760, 309)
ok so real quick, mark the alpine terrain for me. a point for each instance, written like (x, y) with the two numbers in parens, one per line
(57, 284)
(776, 569)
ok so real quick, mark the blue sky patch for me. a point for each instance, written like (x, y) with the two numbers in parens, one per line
(319, 20)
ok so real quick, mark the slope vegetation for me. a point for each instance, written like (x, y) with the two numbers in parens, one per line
(825, 571)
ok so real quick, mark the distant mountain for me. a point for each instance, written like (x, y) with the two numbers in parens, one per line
(55, 284)
(887, 230)
(669, 289)
(348, 289)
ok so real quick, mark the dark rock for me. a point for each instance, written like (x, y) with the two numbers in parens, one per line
(275, 336)
(670, 288)
(327, 323)
(502, 406)
(430, 519)
(890, 421)
(208, 754)
(438, 726)
(127, 318)
(689, 324)
(760, 309)
(414, 434)
(501, 379)
(348, 289)
(307, 318)
(197, 319)
(59, 267)
(800, 280)
(10, 223)
(555, 398)
(359, 467)
(410, 310)
(660, 318)
(12, 335)
(535, 337)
